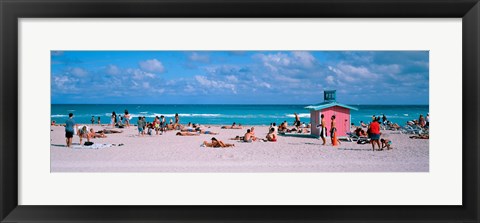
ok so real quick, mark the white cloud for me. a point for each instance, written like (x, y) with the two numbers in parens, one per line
(330, 80)
(65, 84)
(112, 69)
(304, 58)
(152, 65)
(139, 74)
(231, 78)
(199, 57)
(79, 72)
(209, 84)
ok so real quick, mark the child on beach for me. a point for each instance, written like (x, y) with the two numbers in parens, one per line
(140, 126)
(386, 143)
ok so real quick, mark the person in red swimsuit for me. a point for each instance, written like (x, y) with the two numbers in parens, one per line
(375, 133)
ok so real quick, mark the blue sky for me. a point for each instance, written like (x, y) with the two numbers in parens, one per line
(238, 77)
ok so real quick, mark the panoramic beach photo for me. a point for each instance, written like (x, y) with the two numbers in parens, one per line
(239, 111)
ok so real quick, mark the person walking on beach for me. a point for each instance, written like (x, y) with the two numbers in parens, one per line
(333, 132)
(93, 120)
(98, 121)
(127, 118)
(69, 131)
(297, 120)
(375, 134)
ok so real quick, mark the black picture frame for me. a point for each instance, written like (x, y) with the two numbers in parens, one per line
(12, 10)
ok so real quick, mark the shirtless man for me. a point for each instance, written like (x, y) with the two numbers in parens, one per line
(249, 137)
(297, 120)
(217, 143)
(323, 130)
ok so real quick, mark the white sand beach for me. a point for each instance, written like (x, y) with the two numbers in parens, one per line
(171, 153)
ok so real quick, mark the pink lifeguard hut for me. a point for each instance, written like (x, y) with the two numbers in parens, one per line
(328, 108)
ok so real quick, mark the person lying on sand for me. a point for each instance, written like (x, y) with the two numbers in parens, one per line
(92, 134)
(237, 138)
(363, 124)
(217, 143)
(109, 131)
(207, 132)
(386, 143)
(425, 136)
(187, 134)
(234, 126)
(271, 136)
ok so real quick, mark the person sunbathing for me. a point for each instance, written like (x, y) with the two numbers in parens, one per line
(109, 131)
(207, 132)
(234, 126)
(237, 138)
(424, 136)
(217, 143)
(92, 134)
(271, 136)
(187, 134)
(363, 124)
(394, 126)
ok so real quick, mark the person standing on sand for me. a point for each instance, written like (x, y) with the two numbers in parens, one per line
(140, 126)
(98, 121)
(127, 118)
(375, 134)
(69, 132)
(323, 129)
(93, 120)
(333, 132)
(113, 120)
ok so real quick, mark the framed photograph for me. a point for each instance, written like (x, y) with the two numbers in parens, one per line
(239, 111)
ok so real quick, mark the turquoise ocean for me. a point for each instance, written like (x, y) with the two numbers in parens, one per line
(227, 114)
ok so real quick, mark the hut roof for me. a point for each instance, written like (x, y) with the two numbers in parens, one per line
(324, 105)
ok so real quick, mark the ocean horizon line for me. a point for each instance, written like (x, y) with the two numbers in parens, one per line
(255, 104)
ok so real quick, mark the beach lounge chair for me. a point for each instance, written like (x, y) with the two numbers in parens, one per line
(411, 129)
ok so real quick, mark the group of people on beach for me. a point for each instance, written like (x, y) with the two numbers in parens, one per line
(83, 131)
(159, 125)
